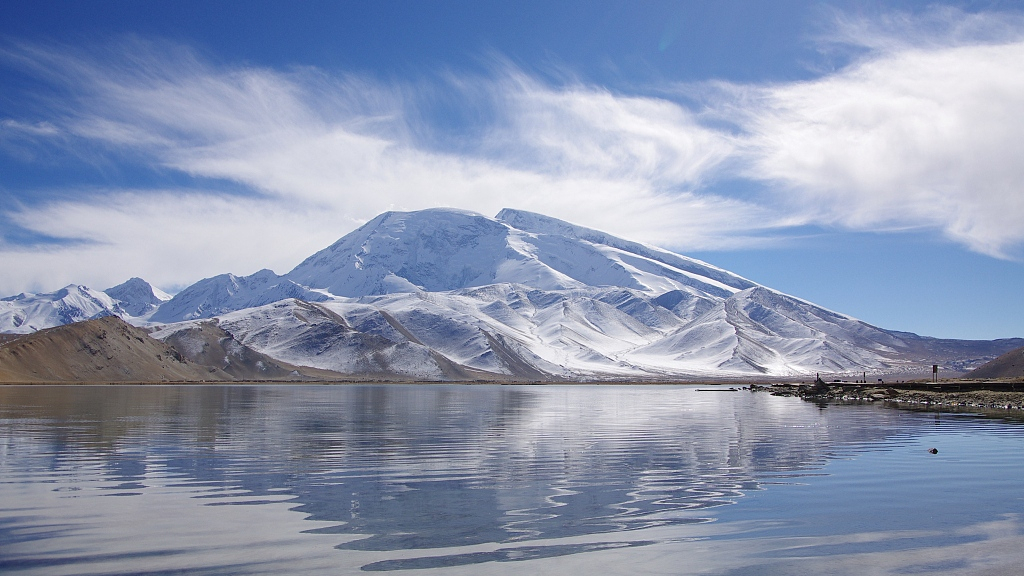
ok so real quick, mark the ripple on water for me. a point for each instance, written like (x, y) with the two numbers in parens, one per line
(378, 478)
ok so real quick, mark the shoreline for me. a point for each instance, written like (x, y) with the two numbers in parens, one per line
(984, 399)
(977, 396)
(839, 393)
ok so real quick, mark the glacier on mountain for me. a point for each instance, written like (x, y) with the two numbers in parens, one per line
(445, 294)
(26, 313)
(440, 249)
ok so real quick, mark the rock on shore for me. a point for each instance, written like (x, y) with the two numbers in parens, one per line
(987, 399)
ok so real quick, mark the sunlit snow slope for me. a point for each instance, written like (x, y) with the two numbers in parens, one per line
(26, 313)
(436, 292)
(445, 294)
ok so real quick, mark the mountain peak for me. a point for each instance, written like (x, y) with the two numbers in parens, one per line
(439, 249)
(27, 313)
(447, 293)
(443, 249)
(137, 297)
(227, 292)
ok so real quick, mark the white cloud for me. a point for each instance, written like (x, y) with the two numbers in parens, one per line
(167, 237)
(580, 129)
(44, 129)
(344, 149)
(934, 27)
(921, 131)
(914, 134)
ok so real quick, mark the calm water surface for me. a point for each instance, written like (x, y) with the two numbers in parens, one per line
(433, 479)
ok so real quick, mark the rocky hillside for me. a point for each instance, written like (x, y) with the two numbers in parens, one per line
(207, 344)
(103, 350)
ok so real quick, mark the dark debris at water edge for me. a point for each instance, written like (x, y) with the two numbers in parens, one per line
(988, 395)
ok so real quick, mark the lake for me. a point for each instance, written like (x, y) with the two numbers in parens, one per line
(454, 479)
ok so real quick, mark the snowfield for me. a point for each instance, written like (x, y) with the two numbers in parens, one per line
(446, 294)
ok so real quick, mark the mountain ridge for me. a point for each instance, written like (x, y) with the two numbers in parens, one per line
(105, 349)
(448, 294)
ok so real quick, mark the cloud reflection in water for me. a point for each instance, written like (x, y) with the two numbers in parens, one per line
(243, 480)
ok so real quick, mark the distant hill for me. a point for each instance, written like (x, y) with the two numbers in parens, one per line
(1009, 365)
(102, 350)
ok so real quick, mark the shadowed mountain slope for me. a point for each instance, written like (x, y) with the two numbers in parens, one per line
(102, 350)
(207, 344)
(1009, 365)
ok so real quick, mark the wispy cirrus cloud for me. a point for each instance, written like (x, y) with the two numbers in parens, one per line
(44, 129)
(919, 131)
(346, 148)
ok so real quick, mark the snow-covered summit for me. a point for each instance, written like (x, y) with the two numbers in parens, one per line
(430, 250)
(26, 313)
(450, 294)
(443, 249)
(138, 297)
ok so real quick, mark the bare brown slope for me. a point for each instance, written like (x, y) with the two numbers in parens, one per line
(103, 350)
(1009, 365)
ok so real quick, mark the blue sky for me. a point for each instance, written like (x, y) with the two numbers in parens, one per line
(863, 155)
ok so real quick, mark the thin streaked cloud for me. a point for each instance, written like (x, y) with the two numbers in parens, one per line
(914, 133)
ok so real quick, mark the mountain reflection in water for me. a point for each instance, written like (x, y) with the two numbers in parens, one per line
(251, 479)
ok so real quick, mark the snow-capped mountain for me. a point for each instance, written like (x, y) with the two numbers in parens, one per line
(137, 297)
(227, 293)
(26, 313)
(442, 249)
(514, 331)
(447, 294)
(431, 293)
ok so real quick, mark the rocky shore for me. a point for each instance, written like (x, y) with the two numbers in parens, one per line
(983, 399)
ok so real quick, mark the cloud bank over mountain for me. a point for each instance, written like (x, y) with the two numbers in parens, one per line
(917, 130)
